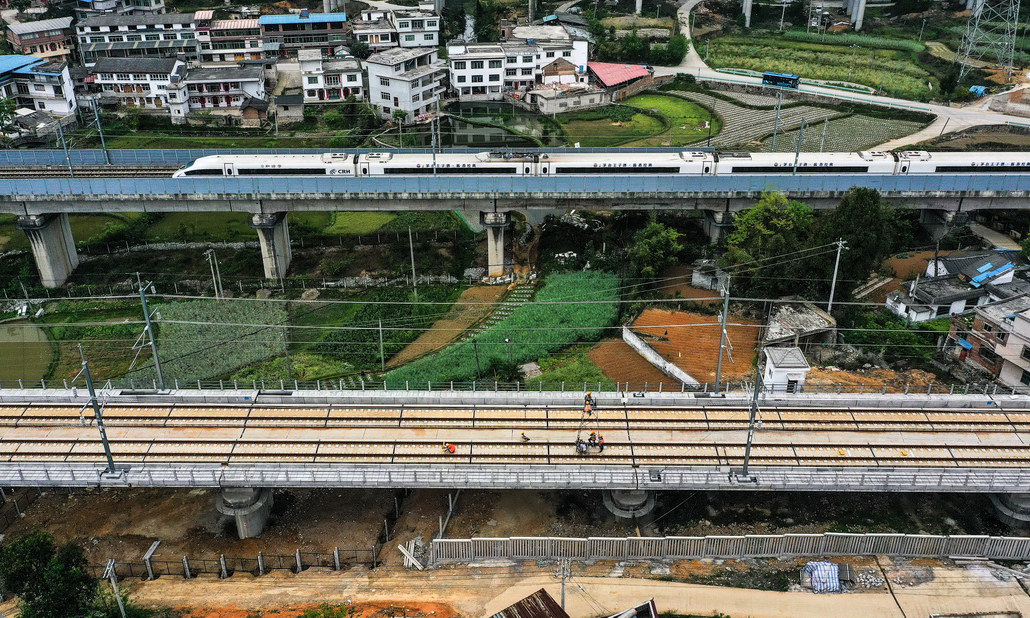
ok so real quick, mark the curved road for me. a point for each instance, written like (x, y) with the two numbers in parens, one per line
(949, 119)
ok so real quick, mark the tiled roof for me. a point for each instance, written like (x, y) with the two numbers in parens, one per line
(38, 26)
(612, 74)
(318, 18)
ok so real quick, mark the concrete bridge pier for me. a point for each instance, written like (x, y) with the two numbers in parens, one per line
(859, 14)
(53, 246)
(937, 221)
(274, 238)
(629, 503)
(745, 7)
(495, 224)
(1012, 509)
(718, 224)
(249, 506)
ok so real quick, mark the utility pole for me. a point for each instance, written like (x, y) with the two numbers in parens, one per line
(411, 248)
(783, 12)
(382, 353)
(841, 244)
(112, 574)
(797, 151)
(150, 331)
(96, 410)
(751, 420)
(508, 341)
(921, 29)
(100, 130)
(64, 144)
(722, 333)
(776, 123)
(216, 273)
(564, 572)
(475, 346)
(822, 144)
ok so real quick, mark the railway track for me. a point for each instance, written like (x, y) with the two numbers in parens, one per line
(88, 171)
(247, 434)
(469, 418)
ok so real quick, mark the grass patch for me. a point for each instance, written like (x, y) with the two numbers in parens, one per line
(108, 347)
(574, 368)
(536, 330)
(897, 72)
(592, 128)
(687, 120)
(357, 223)
(202, 226)
(225, 335)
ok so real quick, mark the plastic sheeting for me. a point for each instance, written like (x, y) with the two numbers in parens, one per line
(825, 576)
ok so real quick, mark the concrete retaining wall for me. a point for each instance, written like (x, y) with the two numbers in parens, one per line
(656, 359)
(752, 546)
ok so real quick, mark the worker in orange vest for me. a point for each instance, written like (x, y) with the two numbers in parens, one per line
(449, 448)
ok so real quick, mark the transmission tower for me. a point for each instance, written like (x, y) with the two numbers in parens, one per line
(990, 33)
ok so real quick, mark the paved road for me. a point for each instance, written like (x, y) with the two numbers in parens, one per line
(949, 119)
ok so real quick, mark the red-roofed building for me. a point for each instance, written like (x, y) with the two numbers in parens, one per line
(612, 75)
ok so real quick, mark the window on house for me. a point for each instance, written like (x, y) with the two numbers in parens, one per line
(107, 76)
(527, 59)
(459, 65)
(495, 64)
(415, 98)
(511, 59)
(1025, 354)
(527, 71)
(566, 54)
(39, 88)
(312, 80)
(352, 78)
(988, 328)
(1025, 378)
(461, 79)
(431, 23)
(139, 77)
(384, 81)
(988, 355)
(42, 105)
(428, 37)
(550, 54)
(1002, 336)
(477, 64)
(477, 79)
(404, 24)
(384, 96)
(510, 72)
(409, 37)
(495, 77)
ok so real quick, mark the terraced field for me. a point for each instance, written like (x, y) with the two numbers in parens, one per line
(743, 126)
(844, 135)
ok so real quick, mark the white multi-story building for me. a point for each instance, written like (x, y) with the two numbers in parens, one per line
(90, 8)
(223, 88)
(136, 36)
(382, 29)
(145, 83)
(227, 40)
(487, 71)
(37, 84)
(329, 80)
(995, 340)
(50, 39)
(417, 28)
(409, 79)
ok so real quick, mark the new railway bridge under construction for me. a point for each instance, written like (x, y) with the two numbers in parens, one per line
(248, 442)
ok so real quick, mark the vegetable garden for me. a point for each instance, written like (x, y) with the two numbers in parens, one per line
(535, 330)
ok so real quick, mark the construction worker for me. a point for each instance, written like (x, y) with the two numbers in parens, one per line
(600, 443)
(449, 448)
(525, 438)
(581, 447)
(593, 439)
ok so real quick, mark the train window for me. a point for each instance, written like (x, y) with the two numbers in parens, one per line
(428, 171)
(545, 169)
(787, 169)
(708, 170)
(527, 169)
(982, 169)
(281, 171)
(204, 172)
(364, 171)
(616, 170)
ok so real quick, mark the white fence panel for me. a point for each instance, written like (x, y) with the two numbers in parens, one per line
(685, 547)
(972, 545)
(601, 548)
(570, 548)
(530, 548)
(646, 548)
(885, 543)
(763, 545)
(803, 544)
(491, 548)
(451, 550)
(922, 546)
(844, 544)
(724, 546)
(1009, 548)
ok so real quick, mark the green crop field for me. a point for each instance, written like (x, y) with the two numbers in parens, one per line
(591, 128)
(847, 134)
(535, 330)
(687, 120)
(354, 223)
(898, 72)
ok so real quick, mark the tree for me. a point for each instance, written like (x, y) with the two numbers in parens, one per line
(655, 248)
(7, 107)
(1026, 248)
(361, 50)
(502, 370)
(863, 220)
(52, 581)
(774, 227)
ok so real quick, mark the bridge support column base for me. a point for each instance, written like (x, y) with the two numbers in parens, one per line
(250, 508)
(629, 503)
(1012, 509)
(495, 223)
(745, 7)
(858, 14)
(718, 225)
(53, 246)
(274, 238)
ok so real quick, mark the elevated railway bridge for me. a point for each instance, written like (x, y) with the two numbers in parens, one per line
(248, 442)
(38, 187)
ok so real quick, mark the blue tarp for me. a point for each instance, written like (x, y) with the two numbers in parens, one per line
(965, 344)
(825, 576)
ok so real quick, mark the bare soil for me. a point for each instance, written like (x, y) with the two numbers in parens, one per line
(122, 523)
(691, 342)
(377, 609)
(870, 377)
(453, 324)
(677, 285)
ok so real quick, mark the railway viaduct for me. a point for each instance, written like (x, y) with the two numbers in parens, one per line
(248, 442)
(43, 204)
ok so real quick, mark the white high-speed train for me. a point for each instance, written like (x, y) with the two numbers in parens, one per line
(615, 163)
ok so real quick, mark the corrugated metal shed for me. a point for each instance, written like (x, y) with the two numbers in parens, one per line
(537, 605)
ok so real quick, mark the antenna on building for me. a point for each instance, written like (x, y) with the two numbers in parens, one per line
(990, 33)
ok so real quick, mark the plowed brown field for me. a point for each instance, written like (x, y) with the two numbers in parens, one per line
(688, 340)
(676, 284)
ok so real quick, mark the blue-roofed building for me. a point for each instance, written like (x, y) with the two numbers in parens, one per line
(994, 341)
(37, 84)
(284, 35)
